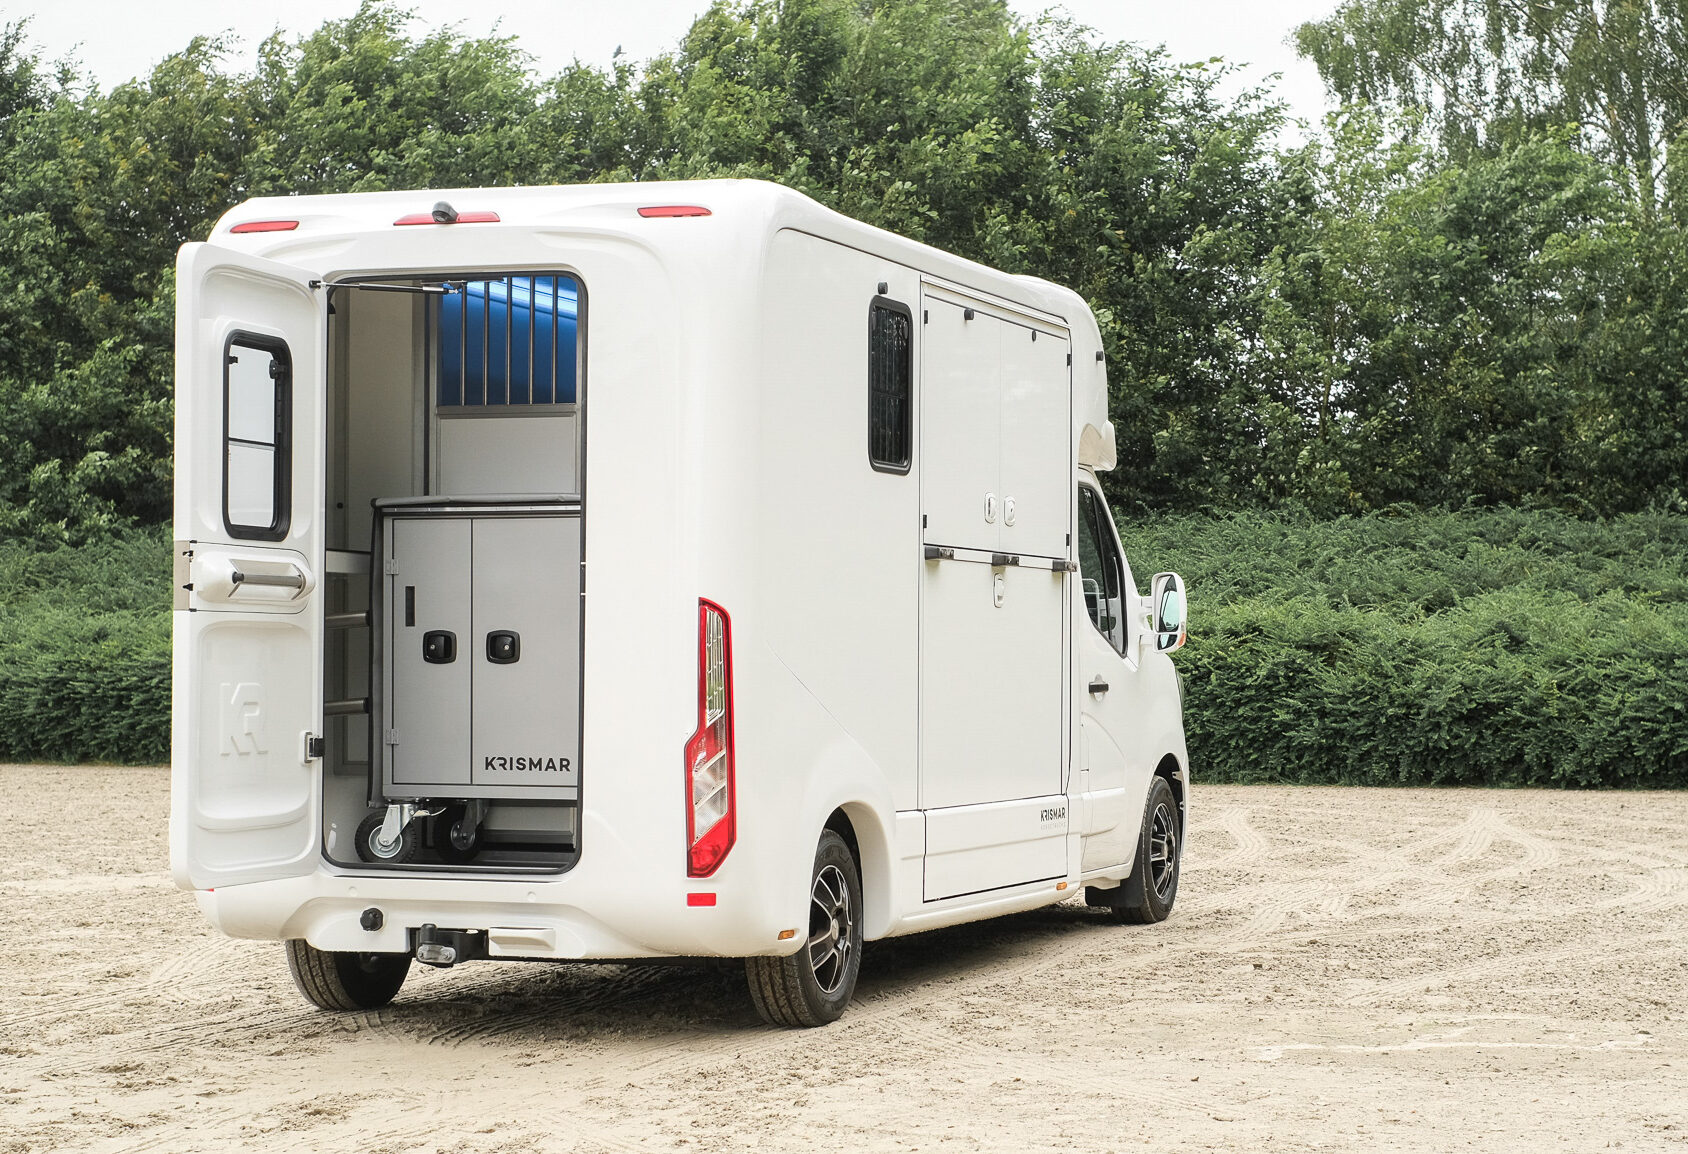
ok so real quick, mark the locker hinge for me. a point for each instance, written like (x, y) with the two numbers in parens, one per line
(391, 738)
(390, 566)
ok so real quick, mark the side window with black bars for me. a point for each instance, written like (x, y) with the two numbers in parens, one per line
(257, 411)
(890, 380)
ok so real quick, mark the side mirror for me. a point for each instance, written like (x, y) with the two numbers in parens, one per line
(1167, 602)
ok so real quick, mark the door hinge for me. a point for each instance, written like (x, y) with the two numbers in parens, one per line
(390, 566)
(391, 738)
(313, 747)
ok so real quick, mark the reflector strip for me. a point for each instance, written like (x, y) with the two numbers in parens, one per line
(462, 218)
(675, 210)
(700, 899)
(266, 226)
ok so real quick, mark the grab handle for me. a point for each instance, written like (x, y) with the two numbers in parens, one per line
(293, 580)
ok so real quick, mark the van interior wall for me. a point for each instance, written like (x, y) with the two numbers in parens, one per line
(376, 434)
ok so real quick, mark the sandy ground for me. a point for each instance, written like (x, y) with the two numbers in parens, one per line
(1345, 970)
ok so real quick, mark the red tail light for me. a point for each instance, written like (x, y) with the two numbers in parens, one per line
(265, 226)
(709, 754)
(485, 217)
(674, 210)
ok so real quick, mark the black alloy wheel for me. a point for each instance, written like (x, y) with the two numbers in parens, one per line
(1147, 895)
(812, 986)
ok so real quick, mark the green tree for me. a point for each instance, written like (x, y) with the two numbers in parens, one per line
(1485, 71)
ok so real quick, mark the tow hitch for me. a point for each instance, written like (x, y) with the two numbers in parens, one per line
(444, 948)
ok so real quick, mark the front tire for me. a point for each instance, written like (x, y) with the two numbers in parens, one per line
(336, 980)
(1147, 895)
(812, 986)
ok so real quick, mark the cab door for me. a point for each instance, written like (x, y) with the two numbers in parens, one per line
(247, 686)
(1113, 764)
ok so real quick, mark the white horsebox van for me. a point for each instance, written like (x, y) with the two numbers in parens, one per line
(627, 571)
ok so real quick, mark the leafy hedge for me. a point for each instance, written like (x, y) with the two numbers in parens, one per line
(85, 651)
(1479, 648)
(1492, 648)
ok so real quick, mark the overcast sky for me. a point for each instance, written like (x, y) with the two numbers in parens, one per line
(118, 39)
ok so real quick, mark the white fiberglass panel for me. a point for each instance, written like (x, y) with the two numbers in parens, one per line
(974, 848)
(248, 677)
(1036, 471)
(838, 561)
(248, 788)
(990, 684)
(960, 414)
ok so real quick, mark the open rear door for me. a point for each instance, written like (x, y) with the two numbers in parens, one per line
(250, 338)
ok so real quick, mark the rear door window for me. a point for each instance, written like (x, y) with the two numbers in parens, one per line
(257, 402)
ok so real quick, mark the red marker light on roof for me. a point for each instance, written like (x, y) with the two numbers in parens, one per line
(674, 210)
(462, 218)
(266, 226)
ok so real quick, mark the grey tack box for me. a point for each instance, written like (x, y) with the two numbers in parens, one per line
(471, 727)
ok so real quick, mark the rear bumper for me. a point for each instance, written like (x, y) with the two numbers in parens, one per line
(528, 918)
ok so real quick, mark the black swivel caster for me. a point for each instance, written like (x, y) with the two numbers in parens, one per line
(457, 834)
(372, 849)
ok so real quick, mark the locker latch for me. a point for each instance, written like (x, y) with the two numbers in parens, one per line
(439, 647)
(504, 647)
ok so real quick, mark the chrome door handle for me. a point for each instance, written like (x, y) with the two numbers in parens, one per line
(1098, 686)
(294, 580)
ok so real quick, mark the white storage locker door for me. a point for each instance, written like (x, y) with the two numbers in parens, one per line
(1036, 473)
(991, 724)
(429, 652)
(526, 654)
(960, 425)
(990, 684)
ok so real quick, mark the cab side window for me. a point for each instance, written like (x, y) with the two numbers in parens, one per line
(1100, 573)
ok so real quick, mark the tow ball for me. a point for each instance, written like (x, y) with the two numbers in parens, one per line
(444, 948)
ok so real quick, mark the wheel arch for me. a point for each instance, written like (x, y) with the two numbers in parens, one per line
(1176, 778)
(859, 825)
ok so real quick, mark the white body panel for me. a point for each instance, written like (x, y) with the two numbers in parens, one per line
(936, 703)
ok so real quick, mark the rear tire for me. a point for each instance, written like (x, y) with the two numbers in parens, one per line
(336, 980)
(1147, 895)
(812, 986)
